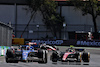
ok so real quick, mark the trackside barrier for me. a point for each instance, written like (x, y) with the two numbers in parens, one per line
(3, 50)
(0, 50)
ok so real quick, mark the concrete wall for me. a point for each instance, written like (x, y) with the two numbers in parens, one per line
(5, 35)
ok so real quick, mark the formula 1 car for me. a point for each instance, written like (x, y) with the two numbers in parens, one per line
(71, 54)
(26, 53)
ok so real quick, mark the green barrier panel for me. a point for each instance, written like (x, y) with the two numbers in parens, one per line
(7, 47)
(2, 50)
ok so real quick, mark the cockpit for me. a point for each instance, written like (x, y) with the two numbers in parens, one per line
(70, 50)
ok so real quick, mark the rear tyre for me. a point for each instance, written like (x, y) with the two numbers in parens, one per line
(42, 54)
(7, 61)
(11, 61)
(46, 57)
(9, 53)
(15, 61)
(86, 57)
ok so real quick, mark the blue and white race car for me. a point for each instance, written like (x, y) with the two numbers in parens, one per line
(26, 53)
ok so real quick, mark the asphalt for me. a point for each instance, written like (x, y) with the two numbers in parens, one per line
(94, 61)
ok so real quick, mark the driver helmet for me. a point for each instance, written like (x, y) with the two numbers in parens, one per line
(70, 50)
(28, 48)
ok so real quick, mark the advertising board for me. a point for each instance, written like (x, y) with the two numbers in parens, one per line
(80, 43)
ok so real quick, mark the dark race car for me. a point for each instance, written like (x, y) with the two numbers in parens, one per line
(71, 54)
(27, 54)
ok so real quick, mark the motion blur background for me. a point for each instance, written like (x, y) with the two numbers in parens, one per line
(76, 24)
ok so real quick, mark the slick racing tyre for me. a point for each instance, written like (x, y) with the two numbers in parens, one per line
(86, 57)
(54, 56)
(15, 61)
(9, 53)
(54, 60)
(11, 61)
(46, 57)
(42, 54)
(7, 61)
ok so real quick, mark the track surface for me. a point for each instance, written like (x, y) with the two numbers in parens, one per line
(94, 61)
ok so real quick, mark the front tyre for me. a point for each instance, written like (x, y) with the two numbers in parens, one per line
(54, 56)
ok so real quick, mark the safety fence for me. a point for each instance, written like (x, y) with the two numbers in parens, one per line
(3, 50)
